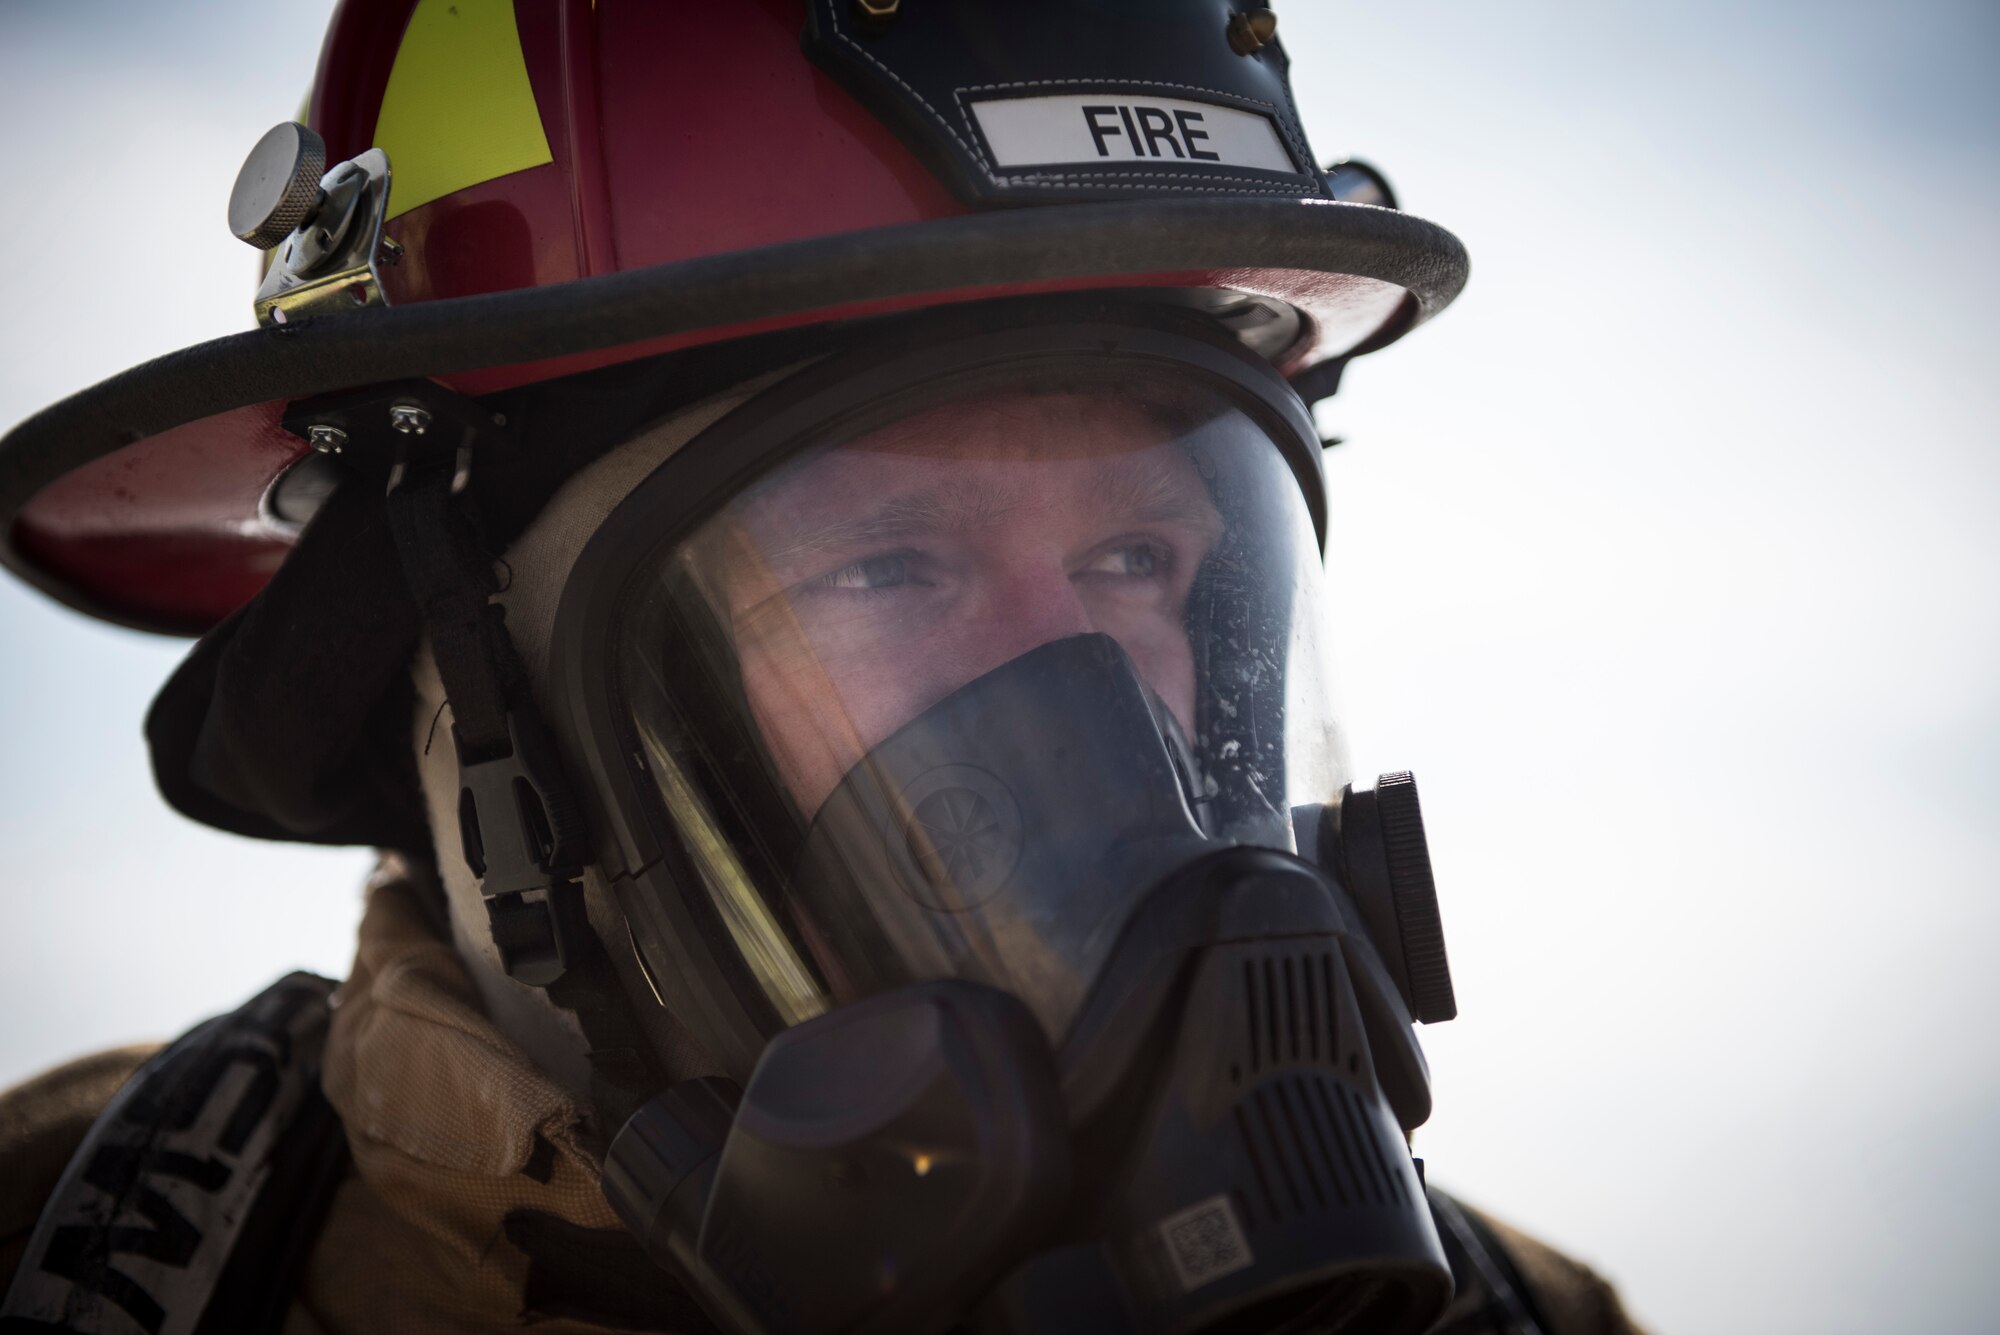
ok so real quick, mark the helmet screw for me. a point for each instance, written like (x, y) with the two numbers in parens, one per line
(1252, 31)
(326, 439)
(876, 11)
(409, 419)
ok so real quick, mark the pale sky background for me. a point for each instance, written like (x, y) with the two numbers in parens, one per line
(1667, 559)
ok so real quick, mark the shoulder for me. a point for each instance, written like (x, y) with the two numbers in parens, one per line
(222, 1142)
(1566, 1296)
(42, 1122)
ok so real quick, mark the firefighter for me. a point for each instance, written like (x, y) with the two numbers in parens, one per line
(803, 548)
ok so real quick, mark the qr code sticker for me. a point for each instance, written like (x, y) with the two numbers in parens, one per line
(1205, 1242)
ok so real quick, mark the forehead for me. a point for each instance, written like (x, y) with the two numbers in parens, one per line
(1019, 425)
(1069, 437)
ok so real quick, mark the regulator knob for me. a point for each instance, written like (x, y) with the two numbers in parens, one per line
(1414, 893)
(1386, 865)
(278, 187)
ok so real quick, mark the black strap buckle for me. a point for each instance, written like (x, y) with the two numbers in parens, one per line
(540, 932)
(523, 839)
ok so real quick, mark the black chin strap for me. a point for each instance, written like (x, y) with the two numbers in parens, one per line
(520, 826)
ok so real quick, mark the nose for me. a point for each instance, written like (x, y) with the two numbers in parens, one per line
(1028, 605)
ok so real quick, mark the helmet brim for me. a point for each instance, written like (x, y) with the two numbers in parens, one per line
(143, 500)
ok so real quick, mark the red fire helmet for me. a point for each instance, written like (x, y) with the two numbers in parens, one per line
(581, 182)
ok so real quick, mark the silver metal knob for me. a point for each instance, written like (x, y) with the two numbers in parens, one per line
(278, 187)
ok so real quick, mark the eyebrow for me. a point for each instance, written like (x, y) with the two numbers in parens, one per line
(1149, 491)
(1145, 491)
(921, 514)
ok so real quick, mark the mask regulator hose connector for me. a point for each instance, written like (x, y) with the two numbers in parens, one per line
(1374, 840)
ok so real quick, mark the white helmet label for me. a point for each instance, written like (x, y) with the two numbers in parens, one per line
(1099, 128)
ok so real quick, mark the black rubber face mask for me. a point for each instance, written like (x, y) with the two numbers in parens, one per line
(959, 747)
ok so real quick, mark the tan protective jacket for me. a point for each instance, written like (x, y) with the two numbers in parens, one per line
(472, 1202)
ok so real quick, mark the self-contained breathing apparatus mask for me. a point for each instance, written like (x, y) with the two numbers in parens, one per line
(956, 719)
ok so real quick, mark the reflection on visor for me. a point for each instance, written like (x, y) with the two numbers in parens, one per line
(781, 660)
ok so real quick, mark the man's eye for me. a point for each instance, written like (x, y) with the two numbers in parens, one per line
(877, 572)
(1131, 560)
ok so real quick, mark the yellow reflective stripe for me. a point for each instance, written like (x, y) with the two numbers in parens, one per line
(459, 108)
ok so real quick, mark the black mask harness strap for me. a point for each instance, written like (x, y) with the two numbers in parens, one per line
(520, 826)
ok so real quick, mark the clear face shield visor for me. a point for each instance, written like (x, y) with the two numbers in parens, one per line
(939, 683)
